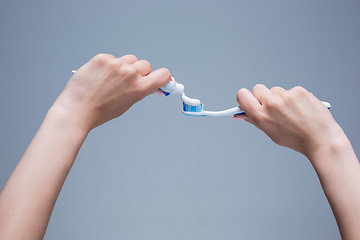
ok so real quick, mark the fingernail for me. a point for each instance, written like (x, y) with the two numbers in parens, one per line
(237, 117)
(159, 92)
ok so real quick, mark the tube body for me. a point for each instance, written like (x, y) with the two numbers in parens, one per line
(172, 87)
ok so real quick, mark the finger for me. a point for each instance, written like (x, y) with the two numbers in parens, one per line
(156, 79)
(243, 117)
(129, 59)
(277, 90)
(248, 102)
(261, 92)
(142, 67)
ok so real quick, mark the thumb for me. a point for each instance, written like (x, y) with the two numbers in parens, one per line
(248, 103)
(156, 79)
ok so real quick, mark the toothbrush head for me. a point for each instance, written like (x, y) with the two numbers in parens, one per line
(191, 108)
(195, 111)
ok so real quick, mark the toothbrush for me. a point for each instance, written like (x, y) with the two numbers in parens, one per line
(193, 107)
(190, 109)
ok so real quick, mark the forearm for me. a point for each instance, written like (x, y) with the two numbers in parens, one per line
(28, 198)
(339, 172)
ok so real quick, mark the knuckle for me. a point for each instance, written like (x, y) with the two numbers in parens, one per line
(275, 88)
(272, 103)
(290, 98)
(102, 58)
(128, 71)
(114, 65)
(259, 118)
(132, 56)
(147, 66)
(117, 65)
(287, 95)
(298, 90)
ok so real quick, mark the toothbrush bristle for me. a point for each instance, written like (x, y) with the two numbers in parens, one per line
(190, 108)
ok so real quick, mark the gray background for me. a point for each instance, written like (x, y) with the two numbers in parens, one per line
(154, 173)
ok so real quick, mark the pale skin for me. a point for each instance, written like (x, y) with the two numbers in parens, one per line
(298, 120)
(105, 87)
(102, 89)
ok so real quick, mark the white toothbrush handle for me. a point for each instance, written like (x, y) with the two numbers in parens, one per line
(228, 112)
(328, 105)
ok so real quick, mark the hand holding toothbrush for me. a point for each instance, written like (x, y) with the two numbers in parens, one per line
(298, 120)
(299, 110)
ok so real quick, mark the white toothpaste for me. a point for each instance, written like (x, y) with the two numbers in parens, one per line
(173, 87)
(190, 101)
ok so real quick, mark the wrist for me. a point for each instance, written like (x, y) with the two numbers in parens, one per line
(333, 147)
(68, 118)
